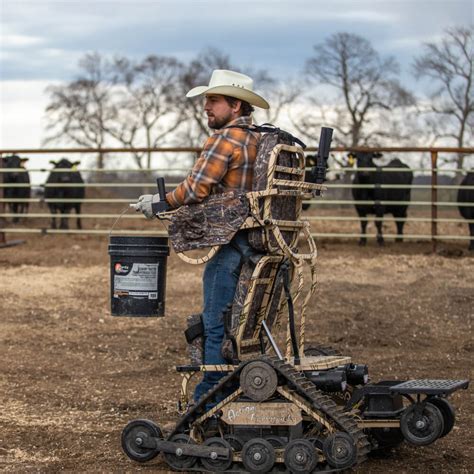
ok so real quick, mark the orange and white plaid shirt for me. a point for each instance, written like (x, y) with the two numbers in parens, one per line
(226, 163)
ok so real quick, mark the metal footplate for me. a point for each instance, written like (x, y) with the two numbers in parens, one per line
(429, 386)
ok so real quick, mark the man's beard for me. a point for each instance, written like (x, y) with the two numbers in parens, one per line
(215, 123)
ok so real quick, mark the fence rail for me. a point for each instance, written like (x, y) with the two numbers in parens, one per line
(154, 170)
(388, 149)
(309, 218)
(349, 202)
(171, 185)
(433, 202)
(162, 233)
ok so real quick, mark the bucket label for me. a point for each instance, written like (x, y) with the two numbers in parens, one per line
(137, 277)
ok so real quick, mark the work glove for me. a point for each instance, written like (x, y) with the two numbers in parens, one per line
(144, 204)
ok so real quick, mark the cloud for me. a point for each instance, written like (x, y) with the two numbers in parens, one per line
(18, 41)
(411, 42)
(276, 34)
(364, 16)
(23, 105)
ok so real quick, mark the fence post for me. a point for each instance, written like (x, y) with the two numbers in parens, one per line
(434, 200)
(2, 204)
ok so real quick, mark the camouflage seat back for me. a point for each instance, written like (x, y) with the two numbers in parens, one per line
(281, 207)
(259, 289)
(257, 299)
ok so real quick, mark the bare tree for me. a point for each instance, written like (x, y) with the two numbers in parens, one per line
(79, 112)
(149, 99)
(449, 65)
(281, 95)
(362, 84)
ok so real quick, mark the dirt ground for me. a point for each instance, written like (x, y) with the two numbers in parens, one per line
(73, 375)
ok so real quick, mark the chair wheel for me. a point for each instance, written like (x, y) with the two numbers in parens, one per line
(136, 440)
(447, 410)
(340, 450)
(258, 456)
(422, 423)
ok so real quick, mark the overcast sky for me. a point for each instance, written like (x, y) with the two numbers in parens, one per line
(42, 40)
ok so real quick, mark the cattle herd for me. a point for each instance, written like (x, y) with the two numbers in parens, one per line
(377, 191)
(59, 189)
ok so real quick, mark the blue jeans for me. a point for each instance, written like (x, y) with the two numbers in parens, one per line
(220, 278)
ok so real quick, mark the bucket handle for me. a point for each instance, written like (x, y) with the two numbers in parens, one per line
(125, 210)
(130, 206)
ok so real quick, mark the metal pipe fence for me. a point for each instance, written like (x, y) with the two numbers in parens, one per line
(434, 203)
(169, 185)
(309, 218)
(308, 201)
(153, 170)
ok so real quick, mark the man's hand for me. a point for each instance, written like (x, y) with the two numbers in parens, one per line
(144, 204)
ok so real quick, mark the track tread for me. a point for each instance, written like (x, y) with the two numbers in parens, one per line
(326, 406)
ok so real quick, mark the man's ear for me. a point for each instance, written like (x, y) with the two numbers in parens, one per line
(237, 106)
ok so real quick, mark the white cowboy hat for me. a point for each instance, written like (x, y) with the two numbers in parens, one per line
(233, 84)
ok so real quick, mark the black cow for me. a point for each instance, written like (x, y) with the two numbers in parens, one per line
(20, 178)
(66, 192)
(377, 194)
(467, 195)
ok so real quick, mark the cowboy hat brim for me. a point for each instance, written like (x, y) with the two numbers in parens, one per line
(237, 92)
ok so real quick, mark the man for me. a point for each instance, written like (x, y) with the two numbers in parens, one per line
(225, 164)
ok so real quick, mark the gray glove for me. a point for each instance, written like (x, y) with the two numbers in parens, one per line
(144, 204)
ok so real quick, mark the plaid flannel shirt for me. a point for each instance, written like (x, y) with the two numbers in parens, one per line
(226, 163)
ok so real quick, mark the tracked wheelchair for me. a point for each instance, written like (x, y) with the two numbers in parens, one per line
(290, 406)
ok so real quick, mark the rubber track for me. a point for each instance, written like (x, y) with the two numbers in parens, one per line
(200, 407)
(299, 384)
(324, 405)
